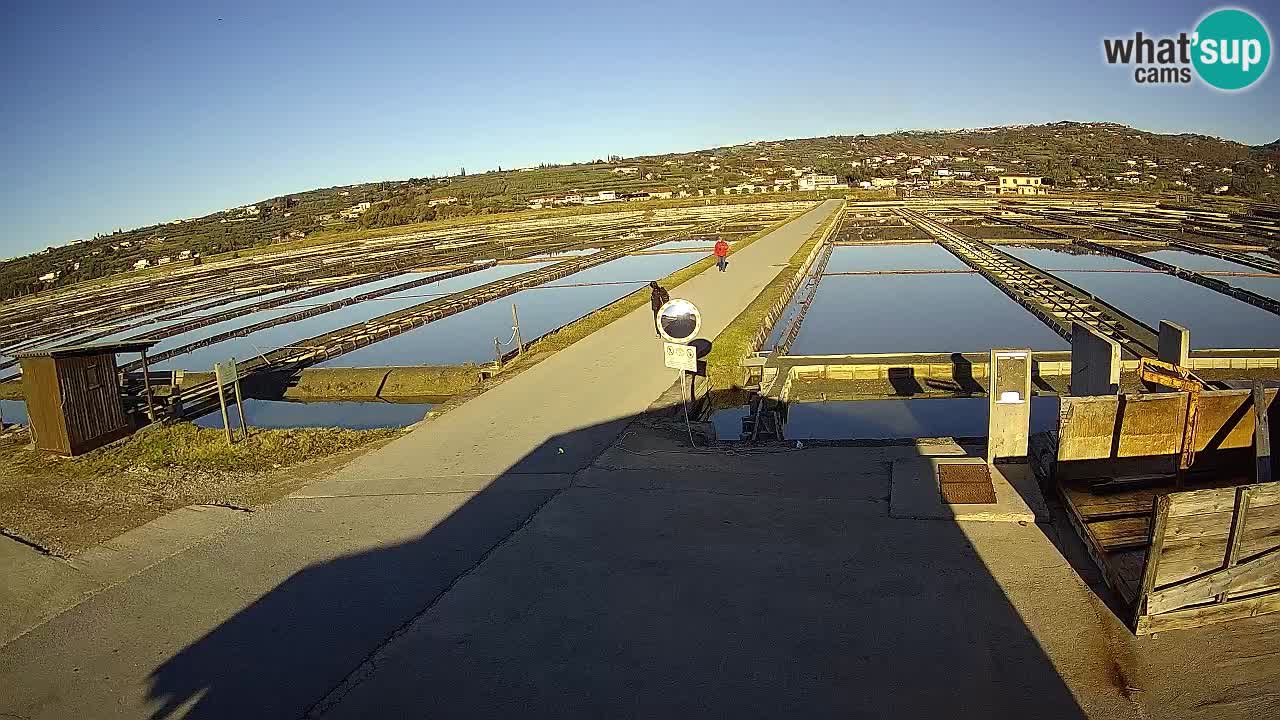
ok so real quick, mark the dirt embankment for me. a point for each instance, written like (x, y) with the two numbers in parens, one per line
(65, 505)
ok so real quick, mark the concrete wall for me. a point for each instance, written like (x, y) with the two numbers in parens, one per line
(1175, 344)
(1095, 362)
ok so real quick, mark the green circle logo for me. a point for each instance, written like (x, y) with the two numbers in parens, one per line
(1232, 49)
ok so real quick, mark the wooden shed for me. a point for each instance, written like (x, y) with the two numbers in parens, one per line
(74, 401)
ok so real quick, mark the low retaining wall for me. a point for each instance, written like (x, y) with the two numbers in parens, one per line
(356, 384)
(968, 371)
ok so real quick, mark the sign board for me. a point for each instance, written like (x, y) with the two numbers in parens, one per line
(680, 357)
(679, 321)
(225, 371)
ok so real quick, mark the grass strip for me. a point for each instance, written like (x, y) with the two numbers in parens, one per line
(185, 446)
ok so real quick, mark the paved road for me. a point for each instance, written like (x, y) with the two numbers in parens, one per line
(269, 617)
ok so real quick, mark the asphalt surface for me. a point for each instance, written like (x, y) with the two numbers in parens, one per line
(537, 551)
(267, 618)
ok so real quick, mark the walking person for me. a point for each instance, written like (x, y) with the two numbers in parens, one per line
(722, 254)
(658, 296)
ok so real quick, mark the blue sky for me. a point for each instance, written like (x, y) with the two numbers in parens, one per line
(121, 114)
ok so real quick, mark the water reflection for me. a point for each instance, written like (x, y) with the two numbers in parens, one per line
(699, 244)
(891, 419)
(350, 415)
(1052, 259)
(283, 335)
(1057, 261)
(917, 313)
(907, 256)
(13, 412)
(468, 336)
(1215, 320)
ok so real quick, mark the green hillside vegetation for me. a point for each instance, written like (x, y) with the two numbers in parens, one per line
(1093, 156)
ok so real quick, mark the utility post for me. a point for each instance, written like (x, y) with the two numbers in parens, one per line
(515, 330)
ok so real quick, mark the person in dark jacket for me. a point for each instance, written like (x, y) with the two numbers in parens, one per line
(658, 296)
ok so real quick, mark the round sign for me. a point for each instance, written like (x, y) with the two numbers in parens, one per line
(679, 320)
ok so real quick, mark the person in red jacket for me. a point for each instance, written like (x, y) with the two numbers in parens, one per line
(722, 253)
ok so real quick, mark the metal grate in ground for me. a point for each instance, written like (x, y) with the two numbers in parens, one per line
(965, 484)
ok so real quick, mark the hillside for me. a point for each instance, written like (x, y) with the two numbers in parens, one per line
(1097, 156)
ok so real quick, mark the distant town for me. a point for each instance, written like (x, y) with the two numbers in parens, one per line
(1022, 160)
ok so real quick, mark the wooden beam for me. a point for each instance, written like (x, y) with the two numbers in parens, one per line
(146, 387)
(1215, 500)
(1209, 614)
(1159, 518)
(1200, 589)
(1237, 530)
(1261, 436)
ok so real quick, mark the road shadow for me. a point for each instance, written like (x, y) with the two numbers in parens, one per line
(671, 582)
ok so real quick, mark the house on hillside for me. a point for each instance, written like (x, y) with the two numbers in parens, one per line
(814, 182)
(356, 210)
(1022, 185)
(143, 263)
(604, 196)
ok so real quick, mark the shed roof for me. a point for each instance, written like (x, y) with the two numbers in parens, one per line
(128, 346)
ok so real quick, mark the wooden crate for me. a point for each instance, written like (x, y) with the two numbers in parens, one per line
(1177, 559)
(1214, 555)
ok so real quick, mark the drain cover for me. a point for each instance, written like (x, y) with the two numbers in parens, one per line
(965, 484)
